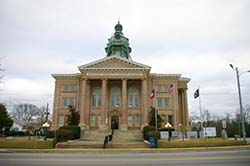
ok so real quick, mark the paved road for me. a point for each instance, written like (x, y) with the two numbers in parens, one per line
(221, 158)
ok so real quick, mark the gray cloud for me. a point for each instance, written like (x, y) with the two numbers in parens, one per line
(195, 38)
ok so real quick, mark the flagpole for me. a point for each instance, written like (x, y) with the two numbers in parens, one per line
(155, 100)
(154, 103)
(175, 109)
(202, 118)
(156, 126)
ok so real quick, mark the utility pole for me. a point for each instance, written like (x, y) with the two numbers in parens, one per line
(240, 101)
(241, 109)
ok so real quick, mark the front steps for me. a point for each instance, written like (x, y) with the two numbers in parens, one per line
(95, 139)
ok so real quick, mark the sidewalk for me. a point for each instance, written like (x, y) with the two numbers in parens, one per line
(129, 150)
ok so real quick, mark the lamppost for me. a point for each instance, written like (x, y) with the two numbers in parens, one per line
(240, 101)
(45, 126)
(168, 126)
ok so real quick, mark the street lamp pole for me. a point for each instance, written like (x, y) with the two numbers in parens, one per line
(240, 101)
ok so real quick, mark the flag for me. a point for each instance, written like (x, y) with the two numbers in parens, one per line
(152, 95)
(196, 93)
(170, 88)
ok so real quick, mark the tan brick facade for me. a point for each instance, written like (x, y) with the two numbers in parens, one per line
(115, 89)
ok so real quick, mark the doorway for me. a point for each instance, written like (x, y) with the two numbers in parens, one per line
(114, 122)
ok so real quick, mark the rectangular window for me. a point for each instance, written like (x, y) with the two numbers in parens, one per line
(96, 101)
(133, 101)
(61, 120)
(93, 101)
(112, 101)
(65, 102)
(99, 120)
(115, 101)
(99, 101)
(69, 88)
(159, 102)
(72, 102)
(137, 101)
(165, 88)
(158, 88)
(137, 120)
(92, 120)
(73, 88)
(66, 87)
(68, 101)
(162, 102)
(130, 120)
(166, 102)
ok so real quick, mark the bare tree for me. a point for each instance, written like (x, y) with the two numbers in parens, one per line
(247, 114)
(25, 112)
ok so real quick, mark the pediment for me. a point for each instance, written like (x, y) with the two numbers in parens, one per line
(114, 62)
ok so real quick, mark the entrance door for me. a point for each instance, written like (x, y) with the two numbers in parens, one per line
(114, 122)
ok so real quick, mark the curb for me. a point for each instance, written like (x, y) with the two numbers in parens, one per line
(130, 150)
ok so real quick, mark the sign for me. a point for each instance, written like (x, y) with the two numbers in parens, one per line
(164, 134)
(209, 131)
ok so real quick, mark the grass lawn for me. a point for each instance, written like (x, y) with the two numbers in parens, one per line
(25, 143)
(211, 142)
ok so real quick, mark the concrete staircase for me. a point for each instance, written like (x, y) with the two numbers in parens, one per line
(95, 139)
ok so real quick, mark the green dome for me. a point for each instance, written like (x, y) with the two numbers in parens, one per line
(118, 44)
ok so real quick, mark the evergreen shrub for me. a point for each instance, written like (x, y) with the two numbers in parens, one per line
(66, 133)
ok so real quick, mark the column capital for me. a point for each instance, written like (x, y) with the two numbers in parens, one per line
(83, 79)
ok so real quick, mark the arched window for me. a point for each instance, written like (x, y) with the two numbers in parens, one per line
(133, 97)
(96, 97)
(115, 96)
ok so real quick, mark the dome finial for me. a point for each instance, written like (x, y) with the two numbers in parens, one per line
(118, 26)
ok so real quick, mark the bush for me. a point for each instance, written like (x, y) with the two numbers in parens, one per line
(146, 130)
(14, 133)
(66, 133)
(154, 134)
(50, 134)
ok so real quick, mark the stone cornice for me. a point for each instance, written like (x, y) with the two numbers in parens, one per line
(184, 79)
(113, 69)
(163, 76)
(66, 76)
(124, 60)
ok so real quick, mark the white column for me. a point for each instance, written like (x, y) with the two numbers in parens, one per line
(124, 118)
(144, 103)
(103, 125)
(55, 116)
(83, 103)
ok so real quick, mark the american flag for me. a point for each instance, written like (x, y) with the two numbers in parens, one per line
(170, 88)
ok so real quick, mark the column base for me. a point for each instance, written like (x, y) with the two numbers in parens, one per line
(123, 127)
(103, 127)
(82, 126)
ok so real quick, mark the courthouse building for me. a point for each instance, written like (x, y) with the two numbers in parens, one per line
(114, 92)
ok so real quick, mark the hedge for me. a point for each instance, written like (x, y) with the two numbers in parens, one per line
(66, 133)
(149, 130)
(14, 133)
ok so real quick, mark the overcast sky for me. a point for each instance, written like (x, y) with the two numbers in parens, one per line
(198, 39)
